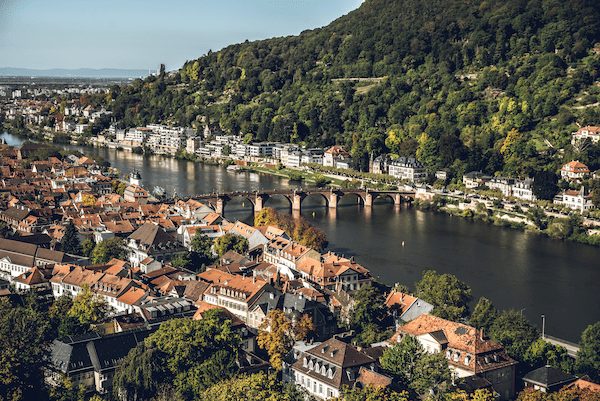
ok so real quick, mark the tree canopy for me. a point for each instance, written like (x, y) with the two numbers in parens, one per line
(449, 296)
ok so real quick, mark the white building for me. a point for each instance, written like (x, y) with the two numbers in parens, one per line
(576, 200)
(588, 132)
(407, 169)
(523, 189)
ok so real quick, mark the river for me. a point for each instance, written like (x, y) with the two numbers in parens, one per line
(514, 269)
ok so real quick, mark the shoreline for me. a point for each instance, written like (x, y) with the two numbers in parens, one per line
(491, 216)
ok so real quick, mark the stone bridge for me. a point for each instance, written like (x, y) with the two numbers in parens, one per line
(295, 197)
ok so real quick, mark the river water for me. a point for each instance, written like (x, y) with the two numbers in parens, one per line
(514, 269)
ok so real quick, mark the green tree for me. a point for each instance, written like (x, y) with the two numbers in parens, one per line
(108, 249)
(70, 240)
(541, 353)
(449, 296)
(432, 375)
(197, 353)
(256, 387)
(483, 314)
(588, 357)
(538, 217)
(87, 247)
(230, 242)
(402, 359)
(201, 246)
(88, 308)
(140, 374)
(370, 393)
(545, 185)
(512, 330)
(23, 352)
(183, 261)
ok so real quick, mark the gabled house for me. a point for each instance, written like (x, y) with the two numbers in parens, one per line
(406, 307)
(468, 351)
(323, 369)
(151, 240)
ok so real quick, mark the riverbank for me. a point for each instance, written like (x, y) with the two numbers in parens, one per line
(535, 221)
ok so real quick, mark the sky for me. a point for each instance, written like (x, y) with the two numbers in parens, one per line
(141, 34)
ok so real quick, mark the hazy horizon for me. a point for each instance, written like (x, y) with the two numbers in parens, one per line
(142, 34)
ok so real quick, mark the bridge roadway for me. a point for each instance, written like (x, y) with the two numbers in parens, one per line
(571, 347)
(296, 196)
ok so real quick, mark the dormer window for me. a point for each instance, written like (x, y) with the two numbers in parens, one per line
(304, 362)
(467, 360)
(330, 372)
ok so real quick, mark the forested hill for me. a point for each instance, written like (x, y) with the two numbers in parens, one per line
(495, 85)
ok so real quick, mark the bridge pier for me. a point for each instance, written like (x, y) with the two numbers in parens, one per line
(220, 206)
(258, 203)
(368, 199)
(333, 200)
(297, 202)
(397, 200)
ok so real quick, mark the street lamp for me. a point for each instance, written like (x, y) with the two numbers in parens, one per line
(543, 326)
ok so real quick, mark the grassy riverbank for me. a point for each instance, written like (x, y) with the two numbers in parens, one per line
(534, 221)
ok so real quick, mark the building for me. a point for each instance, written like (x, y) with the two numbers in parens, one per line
(406, 307)
(468, 351)
(574, 170)
(18, 257)
(90, 360)
(379, 165)
(336, 156)
(502, 184)
(474, 179)
(576, 200)
(323, 369)
(407, 168)
(584, 133)
(523, 189)
(547, 379)
(151, 240)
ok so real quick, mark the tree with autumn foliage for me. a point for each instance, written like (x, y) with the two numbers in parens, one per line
(297, 228)
(88, 308)
(278, 333)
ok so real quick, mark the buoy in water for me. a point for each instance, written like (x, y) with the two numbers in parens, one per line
(402, 243)
(313, 214)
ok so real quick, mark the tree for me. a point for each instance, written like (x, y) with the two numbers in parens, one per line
(256, 387)
(182, 261)
(367, 315)
(370, 393)
(196, 353)
(87, 247)
(140, 374)
(88, 308)
(545, 185)
(201, 246)
(61, 323)
(538, 217)
(298, 229)
(108, 249)
(483, 315)
(512, 330)
(23, 352)
(449, 296)
(432, 372)
(401, 360)
(541, 353)
(230, 242)
(70, 240)
(588, 357)
(278, 334)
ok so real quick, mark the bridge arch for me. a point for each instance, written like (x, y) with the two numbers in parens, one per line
(360, 199)
(268, 200)
(315, 195)
(245, 200)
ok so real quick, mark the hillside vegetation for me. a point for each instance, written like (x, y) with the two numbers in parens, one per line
(492, 85)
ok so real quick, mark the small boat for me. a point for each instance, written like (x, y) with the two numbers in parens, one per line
(233, 167)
